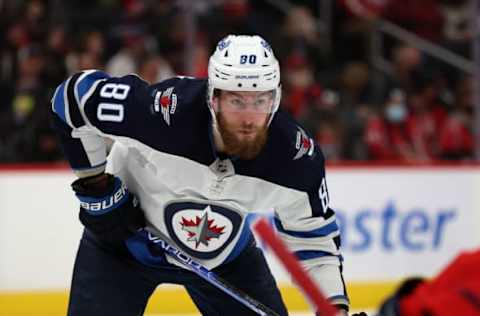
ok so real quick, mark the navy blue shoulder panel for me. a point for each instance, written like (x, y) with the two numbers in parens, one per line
(291, 158)
(170, 116)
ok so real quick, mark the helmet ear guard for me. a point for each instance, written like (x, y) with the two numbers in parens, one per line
(244, 63)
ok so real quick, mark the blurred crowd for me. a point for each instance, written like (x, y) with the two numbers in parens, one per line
(419, 112)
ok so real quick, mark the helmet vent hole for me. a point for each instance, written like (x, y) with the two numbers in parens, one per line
(239, 85)
(226, 53)
(265, 53)
(254, 85)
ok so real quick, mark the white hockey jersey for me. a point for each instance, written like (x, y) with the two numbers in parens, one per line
(196, 198)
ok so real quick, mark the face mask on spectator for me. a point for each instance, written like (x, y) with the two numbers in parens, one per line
(396, 112)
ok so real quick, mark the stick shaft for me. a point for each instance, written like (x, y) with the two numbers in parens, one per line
(291, 264)
(208, 275)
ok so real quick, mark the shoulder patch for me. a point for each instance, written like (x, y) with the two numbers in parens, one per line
(303, 144)
(165, 102)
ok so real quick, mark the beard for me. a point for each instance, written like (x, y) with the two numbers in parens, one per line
(246, 149)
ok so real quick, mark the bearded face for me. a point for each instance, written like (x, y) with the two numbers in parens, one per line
(242, 120)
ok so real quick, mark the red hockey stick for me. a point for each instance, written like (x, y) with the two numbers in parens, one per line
(290, 262)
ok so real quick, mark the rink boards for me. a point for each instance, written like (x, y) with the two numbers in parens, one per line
(396, 222)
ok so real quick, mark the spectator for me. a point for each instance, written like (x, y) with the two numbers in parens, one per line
(427, 115)
(57, 49)
(32, 140)
(457, 32)
(386, 134)
(330, 93)
(355, 107)
(456, 135)
(126, 60)
(154, 68)
(90, 54)
(321, 119)
(299, 80)
(406, 60)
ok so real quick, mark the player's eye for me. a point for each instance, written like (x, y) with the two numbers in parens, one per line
(237, 103)
(260, 103)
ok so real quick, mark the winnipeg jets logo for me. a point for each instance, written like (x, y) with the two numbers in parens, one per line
(166, 103)
(303, 144)
(223, 44)
(266, 46)
(201, 229)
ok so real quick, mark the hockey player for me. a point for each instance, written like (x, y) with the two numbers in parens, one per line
(191, 159)
(454, 291)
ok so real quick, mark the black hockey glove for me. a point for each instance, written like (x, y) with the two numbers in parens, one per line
(107, 208)
(390, 306)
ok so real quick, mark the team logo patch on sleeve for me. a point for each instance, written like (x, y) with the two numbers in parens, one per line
(201, 230)
(165, 102)
(303, 144)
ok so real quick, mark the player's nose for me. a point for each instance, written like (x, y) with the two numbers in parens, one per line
(247, 118)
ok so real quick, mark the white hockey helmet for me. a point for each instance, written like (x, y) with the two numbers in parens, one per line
(244, 63)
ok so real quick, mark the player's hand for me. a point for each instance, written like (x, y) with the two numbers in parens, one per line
(341, 312)
(107, 208)
(360, 314)
(390, 307)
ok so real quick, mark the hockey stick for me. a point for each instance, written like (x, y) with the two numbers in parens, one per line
(201, 271)
(290, 262)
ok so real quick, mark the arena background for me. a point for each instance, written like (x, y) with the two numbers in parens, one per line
(388, 88)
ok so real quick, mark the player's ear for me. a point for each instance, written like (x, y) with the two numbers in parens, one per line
(215, 103)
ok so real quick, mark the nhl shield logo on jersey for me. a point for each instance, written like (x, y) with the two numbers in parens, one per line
(201, 230)
(303, 144)
(165, 102)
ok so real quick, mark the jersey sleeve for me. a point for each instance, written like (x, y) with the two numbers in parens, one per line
(90, 107)
(308, 223)
(308, 226)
